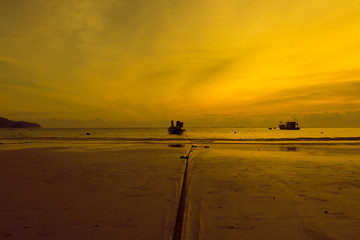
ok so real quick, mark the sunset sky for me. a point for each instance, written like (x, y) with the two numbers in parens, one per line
(213, 63)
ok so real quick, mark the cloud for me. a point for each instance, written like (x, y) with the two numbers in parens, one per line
(14, 75)
(154, 59)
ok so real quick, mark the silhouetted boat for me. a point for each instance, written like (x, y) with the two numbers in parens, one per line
(177, 129)
(289, 125)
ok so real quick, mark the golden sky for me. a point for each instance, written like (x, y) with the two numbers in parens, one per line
(136, 62)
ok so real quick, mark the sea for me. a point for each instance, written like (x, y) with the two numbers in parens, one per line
(192, 134)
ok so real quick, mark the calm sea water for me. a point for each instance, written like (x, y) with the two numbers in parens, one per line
(191, 134)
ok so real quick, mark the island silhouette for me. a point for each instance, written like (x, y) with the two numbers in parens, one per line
(6, 123)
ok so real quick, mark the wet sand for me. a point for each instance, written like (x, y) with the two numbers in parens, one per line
(131, 191)
(274, 192)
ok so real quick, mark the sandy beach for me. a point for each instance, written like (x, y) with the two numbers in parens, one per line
(274, 192)
(126, 192)
(131, 191)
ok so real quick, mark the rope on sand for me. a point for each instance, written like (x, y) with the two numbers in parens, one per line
(181, 208)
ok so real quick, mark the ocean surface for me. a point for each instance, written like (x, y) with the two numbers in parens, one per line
(215, 135)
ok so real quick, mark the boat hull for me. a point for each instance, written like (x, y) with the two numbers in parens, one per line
(289, 128)
(289, 125)
(176, 131)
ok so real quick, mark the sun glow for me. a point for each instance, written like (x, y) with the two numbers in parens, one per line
(128, 60)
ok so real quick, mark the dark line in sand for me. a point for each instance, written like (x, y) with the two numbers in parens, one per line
(181, 208)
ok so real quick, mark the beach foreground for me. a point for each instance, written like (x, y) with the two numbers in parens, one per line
(275, 192)
(126, 192)
(131, 191)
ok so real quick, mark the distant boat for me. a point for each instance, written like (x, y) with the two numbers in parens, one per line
(177, 129)
(289, 125)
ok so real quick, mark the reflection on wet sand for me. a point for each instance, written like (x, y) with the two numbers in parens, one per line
(176, 145)
(239, 192)
(289, 148)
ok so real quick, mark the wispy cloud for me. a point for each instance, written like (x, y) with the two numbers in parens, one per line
(133, 59)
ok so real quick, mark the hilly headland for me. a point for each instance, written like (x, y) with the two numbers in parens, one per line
(6, 123)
